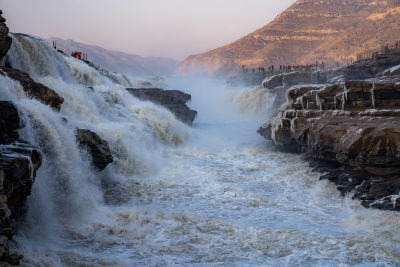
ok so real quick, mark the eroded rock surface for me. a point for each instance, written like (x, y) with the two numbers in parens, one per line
(34, 89)
(355, 124)
(97, 147)
(173, 100)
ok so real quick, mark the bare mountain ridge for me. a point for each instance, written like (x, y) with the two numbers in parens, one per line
(128, 64)
(309, 30)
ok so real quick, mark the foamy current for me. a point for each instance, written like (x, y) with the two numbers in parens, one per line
(215, 194)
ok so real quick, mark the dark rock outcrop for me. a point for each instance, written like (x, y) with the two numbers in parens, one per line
(97, 147)
(19, 162)
(34, 89)
(355, 124)
(5, 40)
(9, 122)
(173, 100)
(371, 68)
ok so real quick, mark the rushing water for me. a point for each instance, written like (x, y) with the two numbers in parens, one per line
(215, 194)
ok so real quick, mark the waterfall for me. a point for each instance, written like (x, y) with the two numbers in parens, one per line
(372, 91)
(68, 194)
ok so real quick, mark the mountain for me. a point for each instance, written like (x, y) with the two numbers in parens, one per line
(133, 65)
(334, 31)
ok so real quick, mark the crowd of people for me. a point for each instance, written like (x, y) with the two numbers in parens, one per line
(285, 68)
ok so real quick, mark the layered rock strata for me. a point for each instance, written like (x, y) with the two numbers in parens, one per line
(333, 31)
(355, 124)
(382, 66)
(173, 100)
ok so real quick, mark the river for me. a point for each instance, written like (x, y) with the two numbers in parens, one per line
(215, 194)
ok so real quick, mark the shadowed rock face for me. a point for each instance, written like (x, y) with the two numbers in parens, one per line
(372, 68)
(34, 89)
(9, 122)
(173, 100)
(5, 41)
(355, 124)
(19, 162)
(97, 147)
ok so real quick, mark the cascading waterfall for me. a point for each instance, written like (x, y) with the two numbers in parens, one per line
(212, 195)
(68, 193)
(254, 101)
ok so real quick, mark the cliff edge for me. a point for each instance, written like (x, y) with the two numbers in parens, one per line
(351, 129)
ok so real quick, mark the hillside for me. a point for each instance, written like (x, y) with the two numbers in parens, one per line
(331, 30)
(133, 65)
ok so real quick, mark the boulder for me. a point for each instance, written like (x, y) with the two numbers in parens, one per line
(34, 89)
(5, 40)
(173, 100)
(97, 147)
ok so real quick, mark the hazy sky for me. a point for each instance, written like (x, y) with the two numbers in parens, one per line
(169, 28)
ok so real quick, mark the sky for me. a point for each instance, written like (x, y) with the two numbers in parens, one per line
(167, 28)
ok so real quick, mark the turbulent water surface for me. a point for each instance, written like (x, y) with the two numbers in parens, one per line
(215, 194)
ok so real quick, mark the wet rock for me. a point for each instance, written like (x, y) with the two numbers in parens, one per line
(97, 147)
(9, 122)
(5, 40)
(18, 165)
(34, 89)
(173, 100)
(265, 130)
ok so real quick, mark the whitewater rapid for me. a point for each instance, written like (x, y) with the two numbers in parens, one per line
(215, 194)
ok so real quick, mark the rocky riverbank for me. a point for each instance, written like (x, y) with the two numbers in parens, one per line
(349, 128)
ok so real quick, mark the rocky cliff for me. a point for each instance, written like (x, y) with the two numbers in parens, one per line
(19, 162)
(331, 30)
(351, 127)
